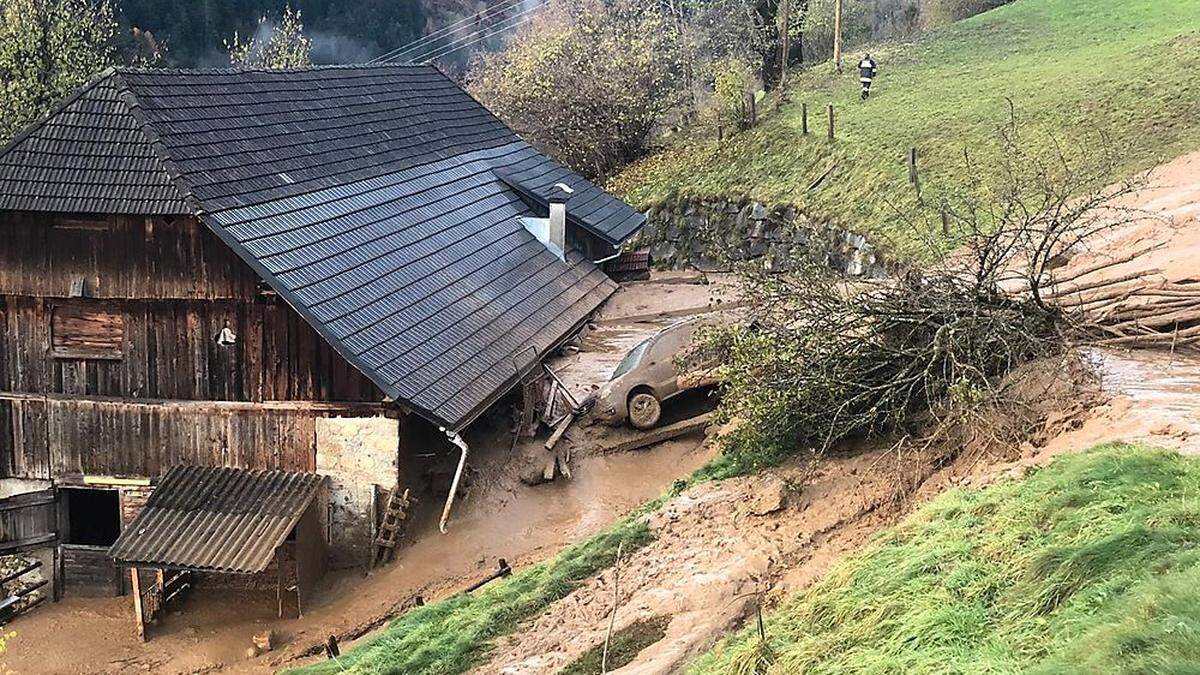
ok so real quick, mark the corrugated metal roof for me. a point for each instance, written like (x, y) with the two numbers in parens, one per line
(217, 519)
(367, 196)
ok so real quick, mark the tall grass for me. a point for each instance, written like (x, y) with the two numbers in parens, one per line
(1088, 566)
(455, 634)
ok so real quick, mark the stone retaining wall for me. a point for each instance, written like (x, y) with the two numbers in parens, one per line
(710, 235)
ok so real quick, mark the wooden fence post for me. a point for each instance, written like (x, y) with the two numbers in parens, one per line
(830, 110)
(804, 118)
(912, 166)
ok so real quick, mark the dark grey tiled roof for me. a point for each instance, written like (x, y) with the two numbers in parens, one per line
(90, 155)
(216, 519)
(369, 197)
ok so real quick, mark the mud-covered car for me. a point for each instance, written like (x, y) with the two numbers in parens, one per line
(662, 366)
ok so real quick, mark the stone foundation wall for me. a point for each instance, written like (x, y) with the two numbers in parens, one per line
(712, 235)
(360, 455)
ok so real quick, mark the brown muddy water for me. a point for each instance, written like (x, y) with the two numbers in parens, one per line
(1169, 384)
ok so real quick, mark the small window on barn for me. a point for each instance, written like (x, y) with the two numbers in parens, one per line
(81, 332)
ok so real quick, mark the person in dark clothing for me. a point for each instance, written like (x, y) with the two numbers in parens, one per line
(866, 72)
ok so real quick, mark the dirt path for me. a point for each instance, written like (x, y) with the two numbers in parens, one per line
(498, 517)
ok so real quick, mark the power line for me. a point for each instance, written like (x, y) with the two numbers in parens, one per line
(514, 21)
(502, 6)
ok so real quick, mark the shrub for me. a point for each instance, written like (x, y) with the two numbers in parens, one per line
(734, 87)
(587, 82)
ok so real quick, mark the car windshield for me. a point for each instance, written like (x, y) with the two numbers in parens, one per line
(631, 359)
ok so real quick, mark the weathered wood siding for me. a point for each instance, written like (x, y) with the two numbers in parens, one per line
(169, 351)
(88, 571)
(58, 437)
(118, 257)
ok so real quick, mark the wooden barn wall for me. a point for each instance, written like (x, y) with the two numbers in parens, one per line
(118, 257)
(169, 351)
(47, 438)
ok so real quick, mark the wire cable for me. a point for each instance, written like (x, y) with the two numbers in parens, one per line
(515, 21)
(424, 41)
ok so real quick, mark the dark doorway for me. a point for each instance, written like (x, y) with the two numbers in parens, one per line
(93, 516)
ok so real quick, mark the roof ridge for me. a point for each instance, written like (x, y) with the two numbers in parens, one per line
(237, 70)
(134, 105)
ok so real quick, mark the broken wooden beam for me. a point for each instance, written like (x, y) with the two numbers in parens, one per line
(559, 430)
(504, 570)
(660, 434)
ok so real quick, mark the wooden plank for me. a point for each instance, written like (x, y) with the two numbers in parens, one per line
(135, 586)
(659, 435)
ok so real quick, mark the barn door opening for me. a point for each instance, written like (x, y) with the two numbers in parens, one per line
(90, 521)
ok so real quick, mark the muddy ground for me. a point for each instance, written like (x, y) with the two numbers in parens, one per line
(718, 546)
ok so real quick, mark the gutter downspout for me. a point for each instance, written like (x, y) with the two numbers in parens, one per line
(618, 248)
(456, 439)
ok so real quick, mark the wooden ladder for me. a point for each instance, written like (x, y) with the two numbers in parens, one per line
(394, 515)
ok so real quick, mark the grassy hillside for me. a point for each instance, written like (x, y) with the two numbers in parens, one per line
(454, 634)
(1072, 67)
(1089, 565)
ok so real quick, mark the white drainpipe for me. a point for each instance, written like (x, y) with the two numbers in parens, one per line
(614, 255)
(462, 462)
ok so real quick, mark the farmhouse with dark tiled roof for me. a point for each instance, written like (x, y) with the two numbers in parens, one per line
(296, 270)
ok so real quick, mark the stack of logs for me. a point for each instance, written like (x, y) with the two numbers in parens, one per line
(1135, 309)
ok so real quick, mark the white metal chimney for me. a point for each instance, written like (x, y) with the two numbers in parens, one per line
(559, 195)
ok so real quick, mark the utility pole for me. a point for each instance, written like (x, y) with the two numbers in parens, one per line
(837, 35)
(784, 12)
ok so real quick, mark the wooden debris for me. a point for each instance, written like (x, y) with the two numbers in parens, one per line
(1135, 309)
(559, 430)
(660, 434)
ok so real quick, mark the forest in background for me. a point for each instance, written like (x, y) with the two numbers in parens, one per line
(194, 32)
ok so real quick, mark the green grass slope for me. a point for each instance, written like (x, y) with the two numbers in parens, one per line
(455, 634)
(1070, 67)
(1087, 566)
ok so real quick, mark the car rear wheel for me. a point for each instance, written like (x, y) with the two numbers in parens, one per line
(644, 410)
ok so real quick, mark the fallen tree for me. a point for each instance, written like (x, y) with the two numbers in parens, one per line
(822, 359)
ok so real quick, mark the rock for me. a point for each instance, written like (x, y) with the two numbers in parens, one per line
(1162, 429)
(264, 641)
(771, 497)
(759, 212)
(663, 250)
(534, 476)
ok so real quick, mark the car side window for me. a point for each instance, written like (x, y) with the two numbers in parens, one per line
(669, 344)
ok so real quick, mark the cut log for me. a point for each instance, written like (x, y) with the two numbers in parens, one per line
(1059, 292)
(659, 435)
(1105, 264)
